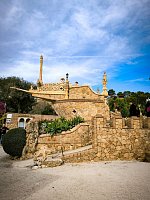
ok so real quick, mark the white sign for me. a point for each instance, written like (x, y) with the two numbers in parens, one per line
(9, 116)
(8, 121)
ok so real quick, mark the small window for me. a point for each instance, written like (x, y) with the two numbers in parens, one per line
(27, 120)
(21, 123)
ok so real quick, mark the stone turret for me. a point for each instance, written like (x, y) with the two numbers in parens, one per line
(67, 86)
(104, 81)
(40, 81)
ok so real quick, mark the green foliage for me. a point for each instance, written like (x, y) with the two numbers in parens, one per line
(111, 92)
(119, 104)
(120, 94)
(122, 101)
(2, 119)
(17, 101)
(59, 125)
(48, 110)
(14, 141)
(43, 107)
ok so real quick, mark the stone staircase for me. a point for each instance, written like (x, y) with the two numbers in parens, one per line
(56, 159)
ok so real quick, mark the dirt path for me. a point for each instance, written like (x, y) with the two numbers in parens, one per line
(87, 181)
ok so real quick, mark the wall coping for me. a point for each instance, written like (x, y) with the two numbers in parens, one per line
(86, 86)
(78, 100)
(29, 115)
(65, 132)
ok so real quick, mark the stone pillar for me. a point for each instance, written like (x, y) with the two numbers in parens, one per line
(146, 122)
(113, 122)
(104, 81)
(94, 132)
(123, 122)
(67, 87)
(135, 122)
(98, 123)
(41, 70)
(119, 122)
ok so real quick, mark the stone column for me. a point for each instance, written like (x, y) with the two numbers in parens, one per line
(98, 123)
(67, 87)
(117, 122)
(104, 81)
(135, 122)
(41, 70)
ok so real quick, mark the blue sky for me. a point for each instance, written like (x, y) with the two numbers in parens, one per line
(81, 37)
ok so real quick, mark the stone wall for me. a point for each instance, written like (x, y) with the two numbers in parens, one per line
(81, 107)
(83, 92)
(121, 142)
(84, 156)
(77, 137)
(13, 122)
(116, 139)
(32, 134)
(82, 101)
(116, 142)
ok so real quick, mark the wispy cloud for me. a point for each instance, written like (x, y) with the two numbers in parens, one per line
(83, 38)
(137, 80)
(11, 14)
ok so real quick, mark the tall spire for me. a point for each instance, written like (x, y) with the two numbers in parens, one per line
(41, 70)
(104, 81)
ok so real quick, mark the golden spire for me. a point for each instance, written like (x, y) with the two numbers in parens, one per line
(104, 81)
(41, 70)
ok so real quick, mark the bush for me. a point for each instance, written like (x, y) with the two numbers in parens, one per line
(59, 125)
(14, 141)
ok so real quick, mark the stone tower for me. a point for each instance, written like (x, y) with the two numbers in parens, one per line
(104, 81)
(40, 81)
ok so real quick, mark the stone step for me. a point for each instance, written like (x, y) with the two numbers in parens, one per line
(55, 160)
(56, 155)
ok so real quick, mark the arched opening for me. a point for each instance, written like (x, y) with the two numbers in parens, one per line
(21, 123)
(27, 120)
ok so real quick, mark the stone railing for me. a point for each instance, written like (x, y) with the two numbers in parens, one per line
(77, 137)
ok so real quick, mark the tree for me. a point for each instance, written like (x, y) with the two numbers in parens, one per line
(16, 101)
(111, 92)
(43, 107)
(127, 93)
(123, 104)
(2, 112)
(120, 104)
(120, 94)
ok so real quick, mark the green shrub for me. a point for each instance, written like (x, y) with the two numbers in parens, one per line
(14, 141)
(59, 125)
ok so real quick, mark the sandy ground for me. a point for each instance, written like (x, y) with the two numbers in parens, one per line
(117, 180)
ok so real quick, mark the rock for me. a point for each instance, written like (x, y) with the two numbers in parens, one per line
(35, 167)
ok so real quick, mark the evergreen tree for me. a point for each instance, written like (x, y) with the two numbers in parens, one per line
(16, 101)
